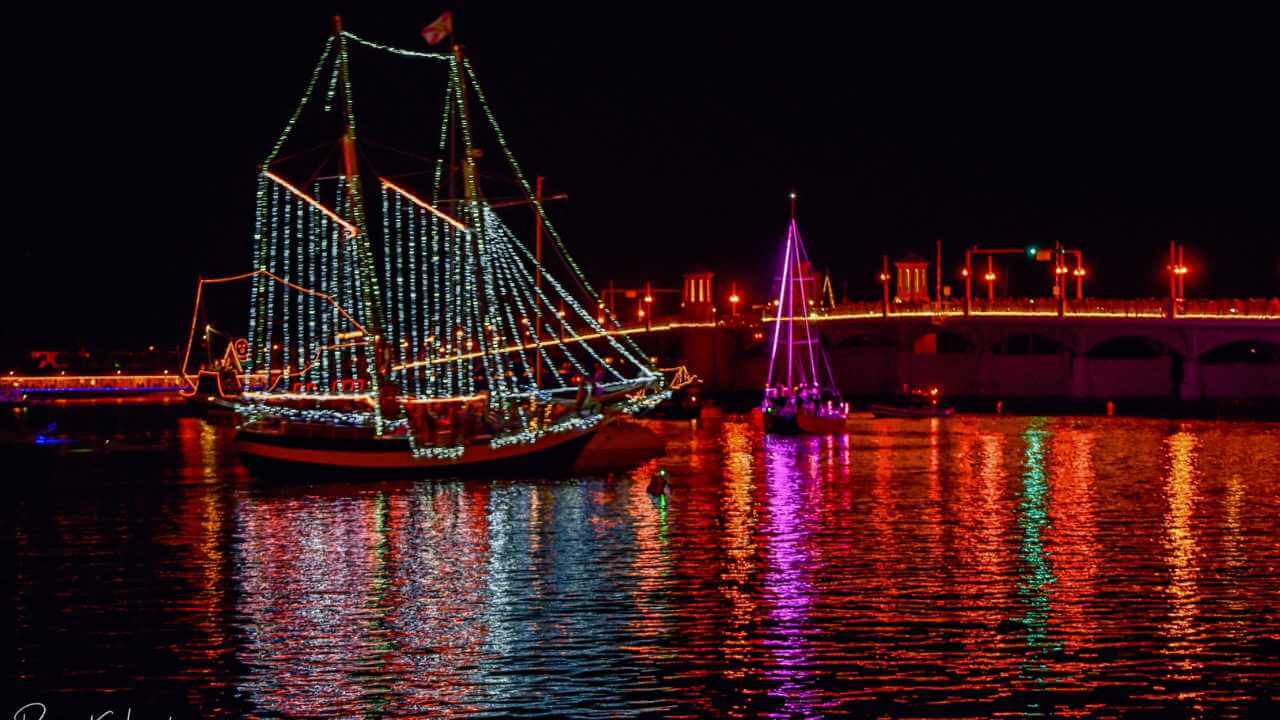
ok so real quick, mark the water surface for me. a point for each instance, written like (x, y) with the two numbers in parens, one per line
(971, 567)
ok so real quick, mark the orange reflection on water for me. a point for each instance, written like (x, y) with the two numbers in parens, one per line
(1180, 552)
(740, 520)
(1072, 535)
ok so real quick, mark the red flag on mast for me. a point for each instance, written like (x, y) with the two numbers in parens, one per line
(440, 29)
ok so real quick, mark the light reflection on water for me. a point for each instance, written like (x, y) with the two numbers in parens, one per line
(975, 566)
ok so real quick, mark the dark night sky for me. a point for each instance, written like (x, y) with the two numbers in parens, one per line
(677, 135)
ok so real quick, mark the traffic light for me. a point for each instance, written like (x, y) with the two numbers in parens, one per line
(1031, 252)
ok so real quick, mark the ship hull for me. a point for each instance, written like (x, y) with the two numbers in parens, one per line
(281, 455)
(802, 424)
(820, 425)
(893, 411)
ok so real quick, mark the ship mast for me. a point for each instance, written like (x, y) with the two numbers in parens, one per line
(369, 286)
(470, 186)
(471, 201)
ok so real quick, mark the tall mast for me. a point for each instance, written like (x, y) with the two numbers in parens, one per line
(370, 291)
(537, 283)
(351, 169)
(791, 292)
(476, 218)
(470, 187)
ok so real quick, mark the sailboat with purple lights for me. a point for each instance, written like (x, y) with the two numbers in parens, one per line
(800, 392)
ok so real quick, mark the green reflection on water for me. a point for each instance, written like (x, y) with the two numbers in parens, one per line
(1037, 567)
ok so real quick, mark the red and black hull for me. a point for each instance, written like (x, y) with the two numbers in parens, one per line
(298, 457)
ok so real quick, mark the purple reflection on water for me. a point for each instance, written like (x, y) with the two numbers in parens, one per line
(788, 590)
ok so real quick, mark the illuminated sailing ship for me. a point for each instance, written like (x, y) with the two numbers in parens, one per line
(800, 393)
(418, 332)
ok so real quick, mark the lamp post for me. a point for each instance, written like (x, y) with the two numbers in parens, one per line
(990, 277)
(1177, 277)
(1182, 273)
(884, 280)
(647, 312)
(1060, 278)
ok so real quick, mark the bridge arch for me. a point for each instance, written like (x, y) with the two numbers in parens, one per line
(1251, 351)
(1240, 369)
(1133, 365)
(941, 342)
(1028, 343)
(1119, 347)
(1097, 338)
(859, 340)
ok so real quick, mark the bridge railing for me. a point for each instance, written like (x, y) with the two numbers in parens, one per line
(90, 383)
(1254, 308)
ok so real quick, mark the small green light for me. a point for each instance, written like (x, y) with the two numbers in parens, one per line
(1031, 251)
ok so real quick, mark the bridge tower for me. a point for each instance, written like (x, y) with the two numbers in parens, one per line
(699, 298)
(913, 280)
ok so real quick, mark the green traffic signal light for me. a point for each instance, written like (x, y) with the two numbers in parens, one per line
(1031, 251)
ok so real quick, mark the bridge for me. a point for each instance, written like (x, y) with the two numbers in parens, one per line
(1015, 348)
(15, 388)
(1006, 348)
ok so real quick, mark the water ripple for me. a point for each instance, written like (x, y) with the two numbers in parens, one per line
(975, 567)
